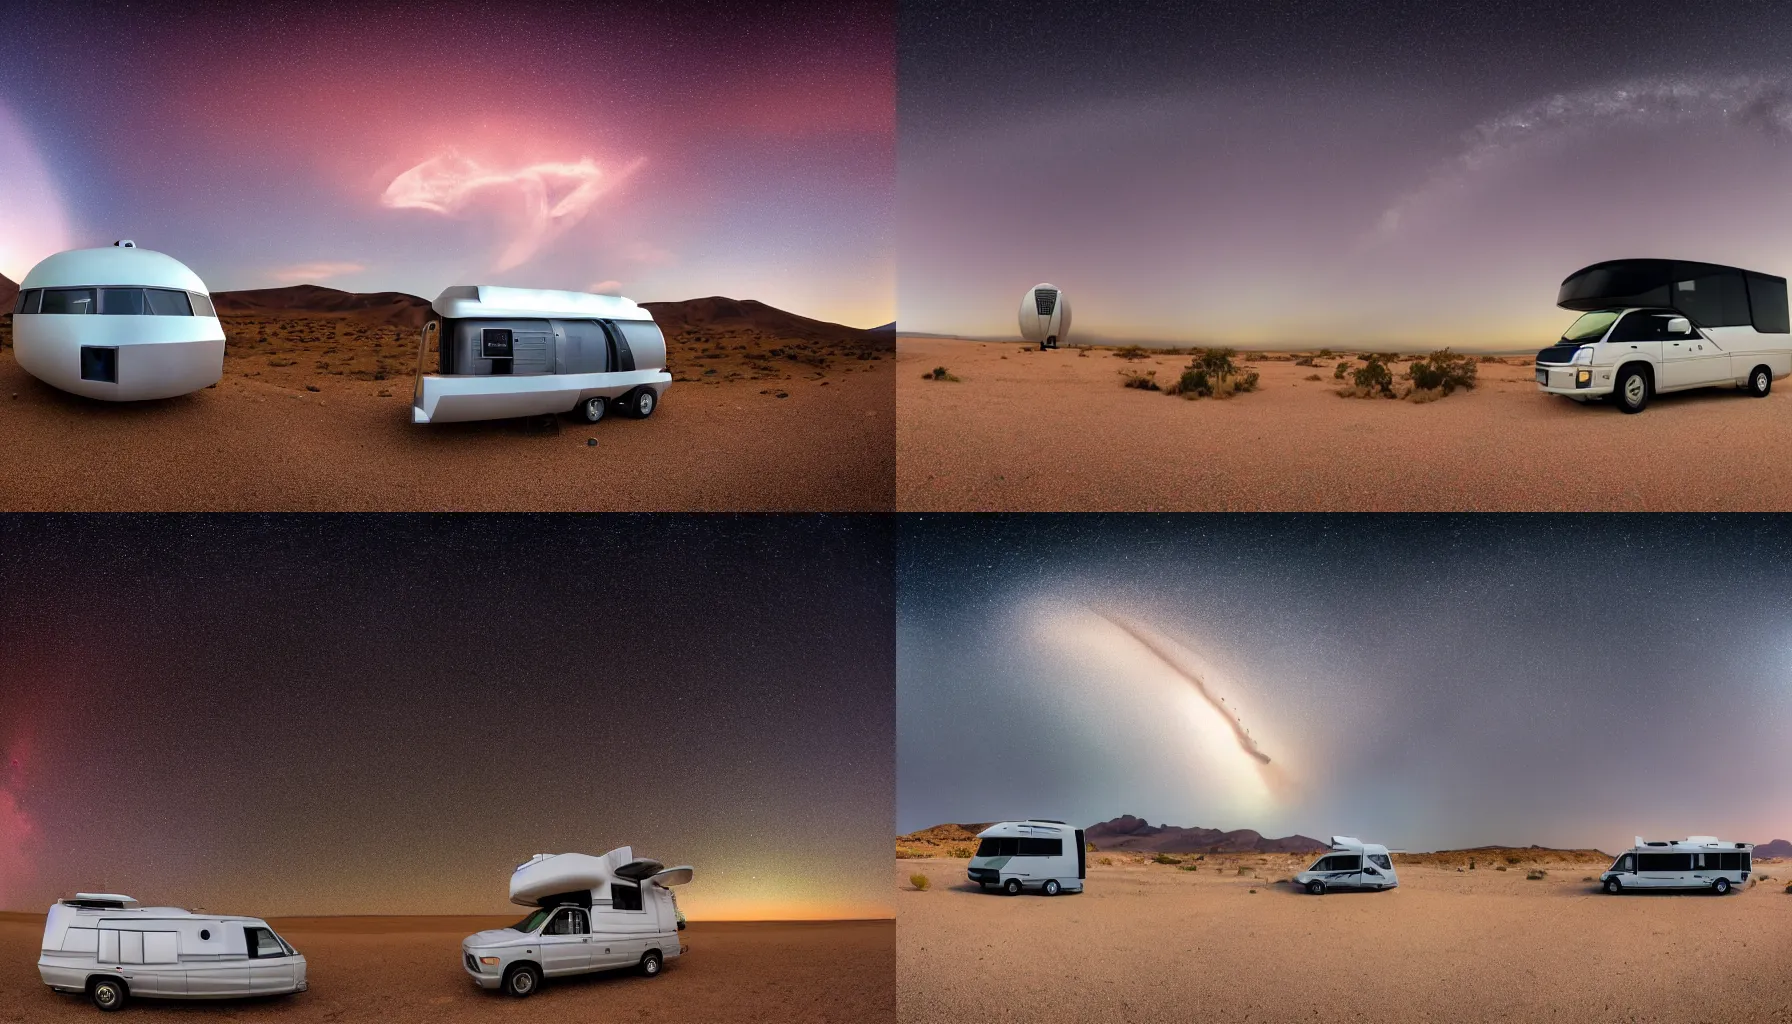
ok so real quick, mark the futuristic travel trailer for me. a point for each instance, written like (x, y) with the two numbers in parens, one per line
(1044, 316)
(1355, 865)
(108, 947)
(120, 324)
(1040, 854)
(592, 914)
(1652, 326)
(1696, 862)
(491, 353)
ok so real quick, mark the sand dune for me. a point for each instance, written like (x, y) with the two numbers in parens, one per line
(1028, 430)
(1150, 942)
(407, 969)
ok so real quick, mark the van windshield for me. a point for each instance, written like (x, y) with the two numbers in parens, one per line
(1590, 325)
(530, 923)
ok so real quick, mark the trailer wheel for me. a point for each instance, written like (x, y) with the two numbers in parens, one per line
(650, 963)
(1316, 887)
(1613, 886)
(109, 994)
(592, 409)
(1760, 381)
(1632, 389)
(1721, 886)
(1051, 887)
(642, 403)
(1011, 887)
(522, 980)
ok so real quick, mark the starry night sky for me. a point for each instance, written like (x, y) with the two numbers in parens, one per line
(371, 715)
(696, 148)
(1418, 173)
(1427, 682)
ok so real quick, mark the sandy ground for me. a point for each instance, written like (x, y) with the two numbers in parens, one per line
(1156, 943)
(803, 439)
(407, 969)
(1029, 430)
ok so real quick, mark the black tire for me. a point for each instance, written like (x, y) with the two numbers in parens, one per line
(651, 964)
(591, 410)
(641, 402)
(1760, 381)
(1316, 887)
(109, 994)
(1633, 389)
(522, 980)
(1613, 886)
(1050, 888)
(1011, 887)
(1721, 886)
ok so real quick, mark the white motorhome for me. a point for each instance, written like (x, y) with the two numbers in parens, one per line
(1039, 854)
(591, 914)
(1353, 864)
(1044, 315)
(1652, 326)
(490, 352)
(120, 324)
(1696, 862)
(111, 949)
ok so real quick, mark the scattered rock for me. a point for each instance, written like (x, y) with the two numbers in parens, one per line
(783, 394)
(591, 442)
(312, 387)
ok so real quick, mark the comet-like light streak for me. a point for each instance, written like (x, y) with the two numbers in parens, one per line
(1195, 679)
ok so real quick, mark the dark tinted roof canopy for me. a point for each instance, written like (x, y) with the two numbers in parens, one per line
(1706, 293)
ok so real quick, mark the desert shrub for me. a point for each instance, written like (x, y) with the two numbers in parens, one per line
(919, 881)
(905, 853)
(1131, 352)
(1325, 353)
(962, 852)
(1164, 858)
(1107, 862)
(1471, 864)
(939, 373)
(1243, 870)
(1338, 370)
(1499, 867)
(1146, 381)
(1213, 373)
(1588, 878)
(1789, 888)
(1442, 370)
(1304, 361)
(1512, 860)
(1313, 376)
(1423, 395)
(1082, 353)
(1370, 380)
(1089, 847)
(1490, 359)
(1534, 874)
(1194, 383)
(1188, 867)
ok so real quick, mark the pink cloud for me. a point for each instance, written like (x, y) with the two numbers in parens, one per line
(300, 273)
(449, 183)
(606, 288)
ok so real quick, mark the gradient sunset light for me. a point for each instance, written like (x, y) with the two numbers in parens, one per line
(670, 151)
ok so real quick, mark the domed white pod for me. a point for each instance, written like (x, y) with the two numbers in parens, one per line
(119, 324)
(1044, 315)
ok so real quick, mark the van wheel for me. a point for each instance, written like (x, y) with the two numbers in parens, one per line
(642, 403)
(1632, 389)
(1316, 887)
(109, 994)
(1721, 886)
(1613, 886)
(592, 409)
(522, 980)
(1760, 381)
(1011, 887)
(650, 964)
(1051, 887)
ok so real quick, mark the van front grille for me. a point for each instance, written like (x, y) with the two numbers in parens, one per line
(472, 963)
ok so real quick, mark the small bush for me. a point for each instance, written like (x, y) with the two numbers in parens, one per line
(1164, 858)
(1243, 870)
(1213, 373)
(1188, 867)
(1325, 353)
(1082, 353)
(1131, 352)
(1471, 864)
(1107, 862)
(1146, 381)
(1370, 380)
(904, 853)
(1789, 888)
(962, 852)
(1500, 867)
(1490, 359)
(1535, 874)
(919, 881)
(1512, 860)
(1338, 370)
(1304, 361)
(1253, 891)
(939, 373)
(1442, 370)
(1314, 376)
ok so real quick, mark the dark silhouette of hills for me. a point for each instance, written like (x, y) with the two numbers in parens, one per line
(1129, 833)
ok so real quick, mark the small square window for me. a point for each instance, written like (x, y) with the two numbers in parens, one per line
(99, 364)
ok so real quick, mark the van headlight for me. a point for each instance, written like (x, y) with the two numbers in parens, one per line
(490, 961)
(1583, 356)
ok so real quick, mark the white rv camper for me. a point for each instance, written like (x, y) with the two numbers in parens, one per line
(111, 949)
(1044, 316)
(1696, 862)
(1039, 854)
(1353, 864)
(491, 353)
(1651, 326)
(120, 324)
(591, 914)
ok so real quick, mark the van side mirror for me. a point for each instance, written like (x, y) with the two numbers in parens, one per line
(1679, 325)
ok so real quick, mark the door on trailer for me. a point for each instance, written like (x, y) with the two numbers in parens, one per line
(566, 942)
(270, 962)
(625, 926)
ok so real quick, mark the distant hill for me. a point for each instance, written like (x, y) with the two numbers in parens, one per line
(312, 300)
(1129, 833)
(8, 292)
(716, 315)
(1778, 849)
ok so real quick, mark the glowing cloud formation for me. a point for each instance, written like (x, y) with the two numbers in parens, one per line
(321, 270)
(32, 222)
(449, 182)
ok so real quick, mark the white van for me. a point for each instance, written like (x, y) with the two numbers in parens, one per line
(1354, 865)
(1039, 853)
(1650, 326)
(592, 914)
(111, 949)
(1696, 862)
(491, 352)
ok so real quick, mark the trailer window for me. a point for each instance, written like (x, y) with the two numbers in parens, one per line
(202, 305)
(28, 300)
(571, 921)
(68, 300)
(1767, 301)
(1641, 326)
(624, 896)
(168, 302)
(264, 943)
(1340, 862)
(1041, 848)
(1590, 326)
(121, 301)
(1381, 861)
(1711, 296)
(1664, 861)
(994, 846)
(1624, 863)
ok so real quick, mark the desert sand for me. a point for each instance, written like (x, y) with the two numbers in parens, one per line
(313, 414)
(1027, 430)
(407, 969)
(1153, 942)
